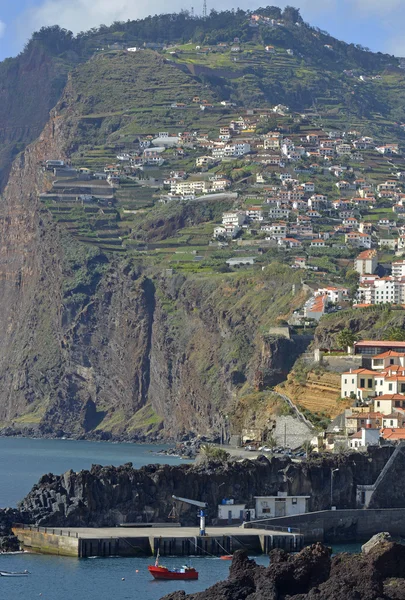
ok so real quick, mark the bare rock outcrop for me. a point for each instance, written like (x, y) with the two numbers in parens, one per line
(312, 575)
(105, 496)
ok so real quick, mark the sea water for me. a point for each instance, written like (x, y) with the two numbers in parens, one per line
(23, 461)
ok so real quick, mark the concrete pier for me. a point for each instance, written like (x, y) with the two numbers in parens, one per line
(144, 541)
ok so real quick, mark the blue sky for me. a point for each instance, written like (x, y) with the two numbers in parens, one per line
(376, 24)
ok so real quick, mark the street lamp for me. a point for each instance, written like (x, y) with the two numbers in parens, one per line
(331, 485)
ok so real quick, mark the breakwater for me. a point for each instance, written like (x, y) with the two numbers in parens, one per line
(145, 541)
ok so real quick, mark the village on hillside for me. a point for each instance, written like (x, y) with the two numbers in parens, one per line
(280, 186)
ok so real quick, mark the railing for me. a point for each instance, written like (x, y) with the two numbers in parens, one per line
(264, 524)
(48, 530)
(297, 411)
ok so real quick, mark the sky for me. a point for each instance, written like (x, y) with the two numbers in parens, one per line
(376, 24)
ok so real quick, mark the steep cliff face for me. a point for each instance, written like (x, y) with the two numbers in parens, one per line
(30, 86)
(111, 495)
(96, 345)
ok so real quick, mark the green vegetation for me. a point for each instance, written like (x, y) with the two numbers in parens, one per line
(345, 338)
(208, 452)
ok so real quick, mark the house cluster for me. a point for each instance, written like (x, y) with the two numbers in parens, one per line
(378, 390)
(389, 289)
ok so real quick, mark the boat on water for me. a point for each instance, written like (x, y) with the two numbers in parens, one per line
(180, 573)
(14, 574)
(226, 557)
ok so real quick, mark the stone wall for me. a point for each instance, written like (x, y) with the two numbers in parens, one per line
(344, 525)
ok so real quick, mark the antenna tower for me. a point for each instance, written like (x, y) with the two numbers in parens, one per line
(192, 12)
(205, 9)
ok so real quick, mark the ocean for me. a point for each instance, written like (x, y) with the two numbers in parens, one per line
(24, 461)
(61, 578)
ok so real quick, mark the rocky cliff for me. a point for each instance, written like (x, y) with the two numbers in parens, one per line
(312, 574)
(94, 344)
(30, 86)
(112, 495)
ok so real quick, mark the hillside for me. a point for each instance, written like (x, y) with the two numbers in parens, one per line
(122, 315)
(313, 78)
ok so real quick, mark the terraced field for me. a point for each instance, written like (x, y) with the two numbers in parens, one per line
(320, 394)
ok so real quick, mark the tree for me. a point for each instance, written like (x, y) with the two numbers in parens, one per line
(291, 15)
(271, 442)
(209, 452)
(308, 447)
(395, 334)
(345, 338)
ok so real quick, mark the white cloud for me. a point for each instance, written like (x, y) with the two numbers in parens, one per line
(2, 28)
(80, 15)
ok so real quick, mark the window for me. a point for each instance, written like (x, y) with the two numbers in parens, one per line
(265, 510)
(397, 403)
(391, 361)
(369, 383)
(362, 383)
(345, 380)
(378, 403)
(390, 387)
(391, 422)
(352, 380)
(294, 501)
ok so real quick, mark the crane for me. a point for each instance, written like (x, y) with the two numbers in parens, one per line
(201, 506)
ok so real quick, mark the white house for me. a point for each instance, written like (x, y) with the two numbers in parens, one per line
(280, 505)
(235, 218)
(228, 511)
(364, 438)
(334, 294)
(358, 239)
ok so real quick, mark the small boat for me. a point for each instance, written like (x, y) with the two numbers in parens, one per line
(226, 557)
(14, 574)
(159, 572)
(180, 573)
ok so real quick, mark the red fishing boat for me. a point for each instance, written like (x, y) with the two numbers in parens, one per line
(159, 572)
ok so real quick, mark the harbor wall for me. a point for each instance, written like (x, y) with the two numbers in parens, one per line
(47, 542)
(72, 543)
(340, 526)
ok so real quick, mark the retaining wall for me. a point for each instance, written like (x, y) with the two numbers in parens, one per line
(344, 525)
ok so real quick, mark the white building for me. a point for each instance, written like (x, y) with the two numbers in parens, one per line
(334, 294)
(254, 213)
(384, 290)
(231, 150)
(235, 218)
(363, 438)
(398, 268)
(180, 187)
(280, 505)
(358, 239)
(228, 511)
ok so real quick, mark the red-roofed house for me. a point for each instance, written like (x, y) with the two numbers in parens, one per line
(393, 435)
(364, 437)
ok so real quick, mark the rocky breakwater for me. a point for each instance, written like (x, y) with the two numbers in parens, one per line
(8, 516)
(106, 496)
(312, 574)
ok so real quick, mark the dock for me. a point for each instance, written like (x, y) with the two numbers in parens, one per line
(145, 540)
